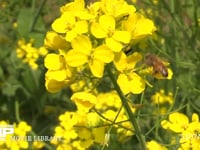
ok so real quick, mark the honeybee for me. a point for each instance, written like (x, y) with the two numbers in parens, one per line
(157, 64)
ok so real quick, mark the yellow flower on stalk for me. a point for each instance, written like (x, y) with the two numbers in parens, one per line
(116, 8)
(190, 137)
(139, 26)
(128, 80)
(83, 52)
(92, 119)
(85, 136)
(54, 41)
(20, 130)
(188, 131)
(106, 28)
(77, 9)
(99, 134)
(59, 74)
(106, 100)
(68, 24)
(178, 122)
(160, 97)
(84, 99)
(30, 54)
(76, 5)
(76, 131)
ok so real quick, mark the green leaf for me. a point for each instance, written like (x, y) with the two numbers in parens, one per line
(24, 21)
(28, 81)
(10, 87)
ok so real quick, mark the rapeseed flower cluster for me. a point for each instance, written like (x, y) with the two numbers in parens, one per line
(30, 54)
(81, 129)
(189, 131)
(85, 42)
(20, 131)
(163, 100)
(85, 39)
(20, 139)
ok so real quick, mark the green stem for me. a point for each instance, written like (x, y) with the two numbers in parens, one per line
(132, 118)
(47, 146)
(109, 130)
(17, 111)
(37, 15)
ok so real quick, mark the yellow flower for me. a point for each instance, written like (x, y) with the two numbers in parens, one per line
(92, 119)
(128, 80)
(116, 8)
(38, 144)
(106, 100)
(178, 122)
(59, 74)
(27, 53)
(77, 9)
(152, 145)
(84, 99)
(67, 24)
(139, 26)
(30, 54)
(83, 52)
(42, 51)
(85, 136)
(99, 134)
(20, 130)
(190, 137)
(160, 97)
(106, 29)
(55, 41)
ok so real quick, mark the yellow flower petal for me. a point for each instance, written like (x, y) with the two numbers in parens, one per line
(54, 86)
(59, 75)
(55, 41)
(104, 54)
(152, 145)
(82, 43)
(75, 58)
(98, 31)
(120, 61)
(133, 59)
(76, 5)
(85, 99)
(122, 36)
(97, 68)
(54, 61)
(195, 117)
(178, 122)
(124, 83)
(114, 45)
(143, 28)
(137, 83)
(178, 118)
(64, 23)
(81, 27)
(107, 22)
(71, 35)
